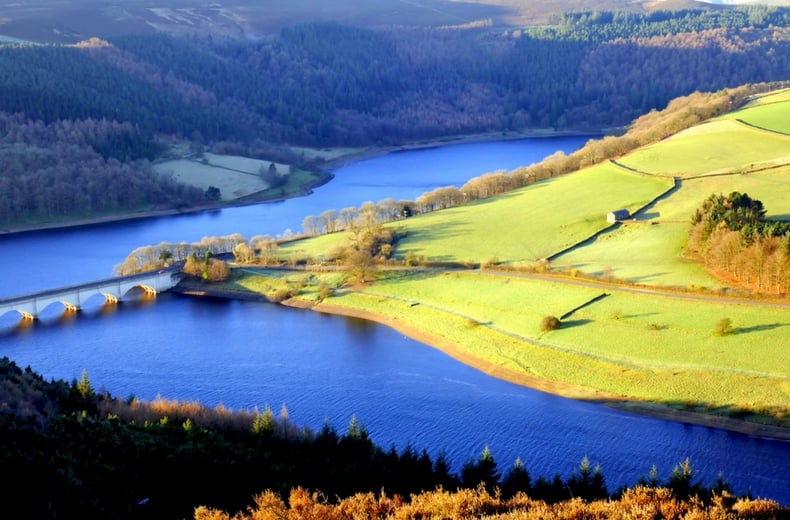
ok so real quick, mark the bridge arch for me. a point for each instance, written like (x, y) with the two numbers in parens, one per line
(66, 305)
(71, 298)
(21, 312)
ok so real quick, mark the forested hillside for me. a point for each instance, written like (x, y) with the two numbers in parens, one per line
(324, 84)
(80, 168)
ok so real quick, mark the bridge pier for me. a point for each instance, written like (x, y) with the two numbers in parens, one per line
(112, 289)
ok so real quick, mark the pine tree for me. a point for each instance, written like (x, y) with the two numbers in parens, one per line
(681, 481)
(483, 471)
(264, 422)
(84, 386)
(516, 480)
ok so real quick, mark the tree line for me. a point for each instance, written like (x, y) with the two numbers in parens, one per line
(600, 26)
(372, 242)
(71, 451)
(735, 240)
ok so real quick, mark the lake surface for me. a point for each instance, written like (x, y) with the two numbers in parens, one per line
(332, 368)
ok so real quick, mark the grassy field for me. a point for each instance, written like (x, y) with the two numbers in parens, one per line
(316, 248)
(643, 253)
(534, 227)
(234, 176)
(531, 223)
(770, 112)
(777, 96)
(237, 177)
(651, 250)
(640, 344)
(646, 347)
(721, 146)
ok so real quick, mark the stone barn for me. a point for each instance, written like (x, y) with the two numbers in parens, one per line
(617, 215)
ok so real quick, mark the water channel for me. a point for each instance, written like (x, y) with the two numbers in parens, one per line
(331, 368)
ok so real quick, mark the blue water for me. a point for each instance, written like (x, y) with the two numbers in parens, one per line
(244, 355)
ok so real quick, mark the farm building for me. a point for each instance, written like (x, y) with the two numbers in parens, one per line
(614, 216)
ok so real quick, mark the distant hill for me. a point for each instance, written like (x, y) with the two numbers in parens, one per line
(326, 84)
(69, 22)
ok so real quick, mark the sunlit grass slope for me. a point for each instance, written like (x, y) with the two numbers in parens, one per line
(721, 146)
(530, 223)
(645, 347)
(770, 112)
(777, 96)
(651, 250)
(518, 227)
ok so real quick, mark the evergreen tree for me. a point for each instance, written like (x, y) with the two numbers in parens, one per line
(84, 387)
(264, 422)
(482, 471)
(681, 482)
(516, 480)
(588, 483)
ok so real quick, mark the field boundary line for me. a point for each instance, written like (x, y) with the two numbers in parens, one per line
(611, 227)
(583, 305)
(636, 365)
(761, 128)
(631, 169)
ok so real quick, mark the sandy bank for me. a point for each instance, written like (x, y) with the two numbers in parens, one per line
(654, 410)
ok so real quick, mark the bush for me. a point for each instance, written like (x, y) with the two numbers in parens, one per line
(724, 327)
(550, 323)
(324, 291)
(283, 293)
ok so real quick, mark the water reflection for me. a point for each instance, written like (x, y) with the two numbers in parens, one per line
(243, 354)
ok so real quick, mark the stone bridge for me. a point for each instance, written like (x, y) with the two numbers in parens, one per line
(72, 297)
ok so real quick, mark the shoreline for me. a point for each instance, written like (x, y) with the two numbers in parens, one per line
(568, 391)
(109, 219)
(326, 167)
(565, 390)
(378, 151)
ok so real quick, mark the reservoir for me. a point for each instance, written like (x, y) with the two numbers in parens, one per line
(243, 355)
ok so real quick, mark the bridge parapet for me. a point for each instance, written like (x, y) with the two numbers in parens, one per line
(72, 297)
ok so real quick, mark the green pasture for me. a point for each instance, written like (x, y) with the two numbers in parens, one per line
(721, 146)
(777, 96)
(516, 227)
(317, 248)
(641, 346)
(651, 250)
(772, 187)
(530, 223)
(273, 282)
(642, 252)
(773, 116)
